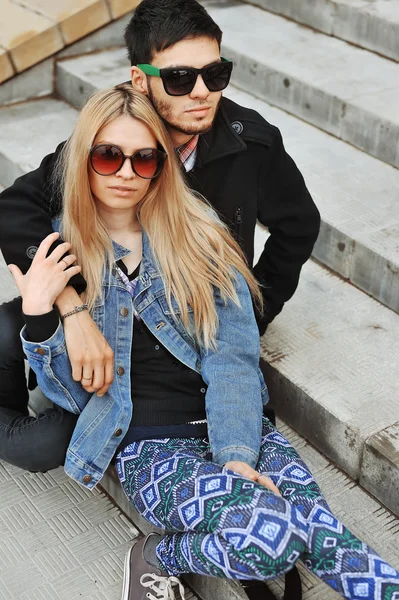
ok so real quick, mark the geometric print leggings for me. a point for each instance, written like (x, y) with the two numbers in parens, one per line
(220, 524)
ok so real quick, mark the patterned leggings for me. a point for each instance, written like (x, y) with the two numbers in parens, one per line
(227, 526)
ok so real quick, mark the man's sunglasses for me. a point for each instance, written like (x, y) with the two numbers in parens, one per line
(179, 81)
(107, 159)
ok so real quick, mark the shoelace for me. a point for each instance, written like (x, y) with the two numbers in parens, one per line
(162, 586)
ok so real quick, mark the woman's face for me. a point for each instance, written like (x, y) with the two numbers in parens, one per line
(124, 189)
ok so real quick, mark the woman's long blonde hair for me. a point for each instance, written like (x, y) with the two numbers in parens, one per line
(195, 252)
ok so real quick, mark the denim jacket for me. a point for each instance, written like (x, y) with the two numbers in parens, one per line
(236, 390)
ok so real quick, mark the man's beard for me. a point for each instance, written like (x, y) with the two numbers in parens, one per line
(164, 111)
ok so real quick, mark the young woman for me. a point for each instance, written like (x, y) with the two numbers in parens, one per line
(169, 289)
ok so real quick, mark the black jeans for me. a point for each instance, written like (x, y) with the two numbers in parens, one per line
(31, 443)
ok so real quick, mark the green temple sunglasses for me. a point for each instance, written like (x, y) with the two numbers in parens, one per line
(179, 81)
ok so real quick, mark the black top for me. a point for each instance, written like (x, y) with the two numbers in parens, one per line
(164, 390)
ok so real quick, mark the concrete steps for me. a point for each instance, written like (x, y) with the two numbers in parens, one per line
(38, 80)
(360, 213)
(330, 351)
(348, 92)
(371, 25)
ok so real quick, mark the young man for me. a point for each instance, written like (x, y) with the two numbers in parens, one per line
(230, 154)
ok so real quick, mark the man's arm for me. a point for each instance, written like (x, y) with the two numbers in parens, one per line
(26, 209)
(287, 209)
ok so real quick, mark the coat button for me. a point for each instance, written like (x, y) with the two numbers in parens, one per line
(120, 371)
(118, 432)
(203, 390)
(124, 312)
(156, 347)
(40, 351)
(87, 478)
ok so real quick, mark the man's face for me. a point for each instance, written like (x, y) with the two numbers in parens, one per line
(195, 112)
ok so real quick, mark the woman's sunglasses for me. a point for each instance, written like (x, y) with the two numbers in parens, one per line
(107, 159)
(179, 81)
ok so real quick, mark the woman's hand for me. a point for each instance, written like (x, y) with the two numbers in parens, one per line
(248, 472)
(46, 278)
(92, 359)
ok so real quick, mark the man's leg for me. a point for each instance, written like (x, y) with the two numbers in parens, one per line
(31, 443)
(268, 410)
(13, 388)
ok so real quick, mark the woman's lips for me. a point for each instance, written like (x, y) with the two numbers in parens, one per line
(122, 187)
(122, 190)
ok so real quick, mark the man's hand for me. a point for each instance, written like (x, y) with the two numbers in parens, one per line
(91, 357)
(248, 472)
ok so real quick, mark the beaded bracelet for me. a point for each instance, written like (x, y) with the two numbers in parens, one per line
(77, 309)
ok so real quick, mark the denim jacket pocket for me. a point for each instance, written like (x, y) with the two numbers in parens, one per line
(166, 308)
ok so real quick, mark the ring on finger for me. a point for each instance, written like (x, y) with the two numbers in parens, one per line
(65, 262)
(87, 378)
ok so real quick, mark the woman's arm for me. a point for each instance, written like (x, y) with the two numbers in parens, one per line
(233, 399)
(26, 209)
(49, 360)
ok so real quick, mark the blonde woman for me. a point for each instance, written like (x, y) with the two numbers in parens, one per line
(169, 289)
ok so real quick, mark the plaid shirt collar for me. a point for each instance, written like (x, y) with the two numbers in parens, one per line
(188, 153)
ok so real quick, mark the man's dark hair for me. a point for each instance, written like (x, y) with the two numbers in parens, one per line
(159, 24)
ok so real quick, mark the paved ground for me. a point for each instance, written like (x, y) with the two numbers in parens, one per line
(59, 541)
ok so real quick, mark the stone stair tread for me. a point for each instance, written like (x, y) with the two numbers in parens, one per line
(341, 69)
(372, 25)
(358, 198)
(332, 371)
(42, 125)
(348, 91)
(360, 214)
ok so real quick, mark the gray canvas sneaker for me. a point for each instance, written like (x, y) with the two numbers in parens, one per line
(142, 581)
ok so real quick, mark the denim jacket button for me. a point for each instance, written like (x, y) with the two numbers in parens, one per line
(118, 432)
(199, 365)
(40, 351)
(87, 478)
(120, 371)
(124, 312)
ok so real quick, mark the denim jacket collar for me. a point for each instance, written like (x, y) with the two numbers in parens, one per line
(148, 263)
